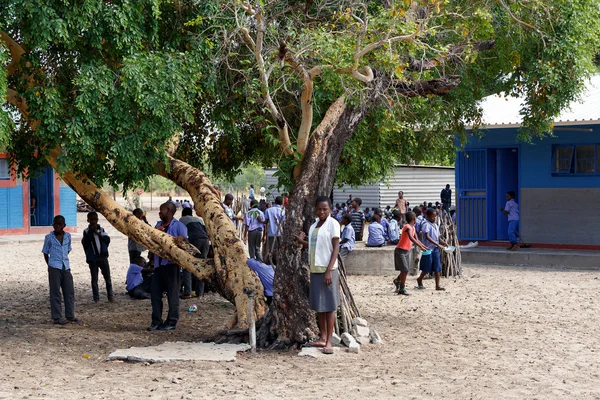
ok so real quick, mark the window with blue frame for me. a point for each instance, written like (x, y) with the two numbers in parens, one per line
(580, 159)
(4, 169)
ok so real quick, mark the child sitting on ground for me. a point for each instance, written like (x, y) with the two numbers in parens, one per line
(347, 239)
(402, 251)
(139, 279)
(376, 232)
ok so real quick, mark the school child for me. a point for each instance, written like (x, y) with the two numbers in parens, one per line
(376, 232)
(135, 250)
(511, 209)
(388, 212)
(95, 243)
(402, 251)
(415, 251)
(384, 223)
(57, 245)
(368, 214)
(323, 246)
(393, 228)
(274, 217)
(431, 262)
(137, 285)
(254, 222)
(358, 218)
(347, 239)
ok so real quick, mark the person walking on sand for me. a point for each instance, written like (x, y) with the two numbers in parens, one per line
(57, 246)
(323, 247)
(431, 262)
(408, 237)
(511, 210)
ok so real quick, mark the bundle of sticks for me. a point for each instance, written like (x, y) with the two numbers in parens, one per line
(348, 309)
(451, 262)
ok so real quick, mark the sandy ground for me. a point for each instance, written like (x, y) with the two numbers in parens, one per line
(498, 332)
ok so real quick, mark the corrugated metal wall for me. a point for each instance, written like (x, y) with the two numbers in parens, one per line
(419, 183)
(271, 191)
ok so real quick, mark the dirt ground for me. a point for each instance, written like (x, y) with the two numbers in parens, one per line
(498, 332)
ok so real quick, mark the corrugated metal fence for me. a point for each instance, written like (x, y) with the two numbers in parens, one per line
(419, 184)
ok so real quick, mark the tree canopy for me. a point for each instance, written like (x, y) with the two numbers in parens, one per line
(111, 82)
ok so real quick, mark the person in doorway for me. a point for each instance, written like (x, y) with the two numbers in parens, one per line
(511, 210)
(254, 222)
(95, 243)
(57, 246)
(408, 237)
(139, 279)
(358, 218)
(274, 217)
(348, 237)
(166, 273)
(323, 246)
(431, 262)
(401, 205)
(198, 237)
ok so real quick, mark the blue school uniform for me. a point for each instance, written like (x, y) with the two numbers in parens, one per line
(431, 263)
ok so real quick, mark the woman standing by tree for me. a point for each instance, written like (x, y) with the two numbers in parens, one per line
(323, 247)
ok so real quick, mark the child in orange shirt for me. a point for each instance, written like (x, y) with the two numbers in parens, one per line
(401, 258)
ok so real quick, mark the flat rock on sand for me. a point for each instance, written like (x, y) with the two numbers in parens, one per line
(180, 351)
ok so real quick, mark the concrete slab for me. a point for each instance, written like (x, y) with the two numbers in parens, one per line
(180, 351)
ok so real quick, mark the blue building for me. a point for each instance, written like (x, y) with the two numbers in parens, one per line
(29, 206)
(556, 179)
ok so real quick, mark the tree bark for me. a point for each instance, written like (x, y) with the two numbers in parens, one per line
(232, 273)
(293, 321)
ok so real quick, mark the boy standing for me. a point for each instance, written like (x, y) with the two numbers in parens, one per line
(431, 262)
(254, 222)
(274, 217)
(57, 245)
(511, 209)
(358, 218)
(402, 251)
(401, 205)
(95, 243)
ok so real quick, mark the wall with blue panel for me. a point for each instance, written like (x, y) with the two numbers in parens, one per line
(536, 158)
(11, 207)
(68, 205)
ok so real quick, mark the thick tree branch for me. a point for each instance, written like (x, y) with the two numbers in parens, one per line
(438, 87)
(306, 105)
(16, 51)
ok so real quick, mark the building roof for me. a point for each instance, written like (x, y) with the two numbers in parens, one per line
(503, 112)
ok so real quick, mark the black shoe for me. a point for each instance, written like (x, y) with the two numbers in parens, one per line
(74, 320)
(154, 327)
(60, 321)
(166, 327)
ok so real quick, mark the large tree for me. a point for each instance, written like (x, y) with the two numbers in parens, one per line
(116, 91)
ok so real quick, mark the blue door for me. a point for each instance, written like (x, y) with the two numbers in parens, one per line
(42, 188)
(471, 183)
(507, 179)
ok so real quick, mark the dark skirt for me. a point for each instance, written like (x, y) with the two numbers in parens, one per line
(323, 298)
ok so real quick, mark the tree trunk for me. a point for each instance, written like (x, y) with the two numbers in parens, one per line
(228, 270)
(233, 275)
(294, 322)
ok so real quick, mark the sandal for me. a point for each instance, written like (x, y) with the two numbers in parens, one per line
(327, 350)
(440, 288)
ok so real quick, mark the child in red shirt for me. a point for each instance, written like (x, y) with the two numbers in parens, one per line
(401, 259)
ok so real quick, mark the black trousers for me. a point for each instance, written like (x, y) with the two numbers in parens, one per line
(142, 291)
(102, 265)
(61, 279)
(133, 254)
(254, 242)
(165, 279)
(186, 276)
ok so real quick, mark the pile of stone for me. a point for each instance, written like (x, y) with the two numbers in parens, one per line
(359, 334)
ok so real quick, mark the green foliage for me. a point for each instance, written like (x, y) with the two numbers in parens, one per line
(112, 82)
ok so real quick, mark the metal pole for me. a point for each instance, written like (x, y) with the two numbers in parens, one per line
(251, 324)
